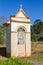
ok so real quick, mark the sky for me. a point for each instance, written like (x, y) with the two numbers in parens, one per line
(33, 9)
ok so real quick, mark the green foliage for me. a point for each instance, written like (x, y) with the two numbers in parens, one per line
(14, 62)
(37, 31)
(2, 35)
(40, 57)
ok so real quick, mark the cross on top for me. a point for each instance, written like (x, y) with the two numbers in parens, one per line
(21, 6)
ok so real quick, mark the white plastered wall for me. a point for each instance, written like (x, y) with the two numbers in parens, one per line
(28, 44)
(14, 46)
(15, 25)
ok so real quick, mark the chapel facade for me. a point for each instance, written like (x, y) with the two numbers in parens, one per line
(18, 35)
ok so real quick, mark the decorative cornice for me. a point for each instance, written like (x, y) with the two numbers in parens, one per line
(19, 17)
(19, 22)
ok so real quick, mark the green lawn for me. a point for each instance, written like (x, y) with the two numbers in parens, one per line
(15, 61)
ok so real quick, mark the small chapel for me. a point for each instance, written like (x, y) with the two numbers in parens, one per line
(18, 35)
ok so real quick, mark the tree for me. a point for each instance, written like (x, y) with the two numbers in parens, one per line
(2, 30)
(37, 30)
(38, 25)
(2, 35)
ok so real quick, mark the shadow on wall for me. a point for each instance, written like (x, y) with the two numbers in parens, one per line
(3, 51)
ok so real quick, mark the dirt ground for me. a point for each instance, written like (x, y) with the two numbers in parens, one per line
(37, 51)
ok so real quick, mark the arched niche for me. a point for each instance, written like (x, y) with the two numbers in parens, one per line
(21, 35)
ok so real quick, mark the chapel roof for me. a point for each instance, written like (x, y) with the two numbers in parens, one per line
(22, 12)
(19, 14)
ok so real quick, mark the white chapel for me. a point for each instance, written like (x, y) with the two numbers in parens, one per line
(18, 35)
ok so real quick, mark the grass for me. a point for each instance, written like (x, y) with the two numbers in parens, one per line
(37, 58)
(14, 61)
(37, 51)
(40, 57)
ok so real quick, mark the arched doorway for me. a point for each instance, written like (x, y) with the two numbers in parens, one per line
(21, 41)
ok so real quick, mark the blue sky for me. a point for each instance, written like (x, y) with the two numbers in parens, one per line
(33, 8)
